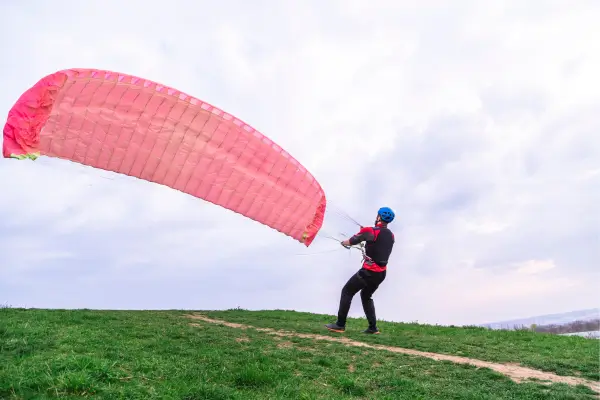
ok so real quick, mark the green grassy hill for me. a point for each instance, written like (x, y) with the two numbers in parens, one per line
(216, 355)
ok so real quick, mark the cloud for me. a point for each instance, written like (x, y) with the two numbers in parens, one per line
(476, 122)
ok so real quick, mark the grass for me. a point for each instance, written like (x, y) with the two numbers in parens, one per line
(563, 355)
(159, 355)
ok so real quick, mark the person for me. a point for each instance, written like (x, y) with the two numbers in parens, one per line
(378, 248)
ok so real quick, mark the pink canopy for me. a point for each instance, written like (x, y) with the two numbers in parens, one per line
(140, 128)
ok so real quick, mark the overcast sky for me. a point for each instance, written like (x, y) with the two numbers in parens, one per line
(476, 121)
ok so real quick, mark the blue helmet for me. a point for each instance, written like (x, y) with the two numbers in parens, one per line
(386, 214)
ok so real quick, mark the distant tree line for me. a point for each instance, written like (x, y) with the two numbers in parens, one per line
(571, 327)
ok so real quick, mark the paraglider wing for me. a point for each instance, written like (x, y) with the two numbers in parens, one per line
(140, 128)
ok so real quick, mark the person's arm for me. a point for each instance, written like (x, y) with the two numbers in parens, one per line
(365, 234)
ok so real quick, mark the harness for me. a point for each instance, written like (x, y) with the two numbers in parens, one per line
(365, 257)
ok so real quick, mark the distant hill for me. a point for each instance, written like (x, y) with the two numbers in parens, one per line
(549, 319)
(588, 334)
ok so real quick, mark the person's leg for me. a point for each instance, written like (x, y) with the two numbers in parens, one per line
(373, 280)
(352, 286)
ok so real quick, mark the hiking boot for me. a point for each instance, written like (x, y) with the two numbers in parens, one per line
(335, 328)
(372, 331)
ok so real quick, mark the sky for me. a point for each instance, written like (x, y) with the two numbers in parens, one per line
(477, 122)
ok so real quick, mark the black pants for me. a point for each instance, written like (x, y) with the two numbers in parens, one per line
(367, 282)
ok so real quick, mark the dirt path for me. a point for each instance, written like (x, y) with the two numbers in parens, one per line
(515, 372)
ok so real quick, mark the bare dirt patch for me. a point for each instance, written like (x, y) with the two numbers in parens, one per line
(515, 372)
